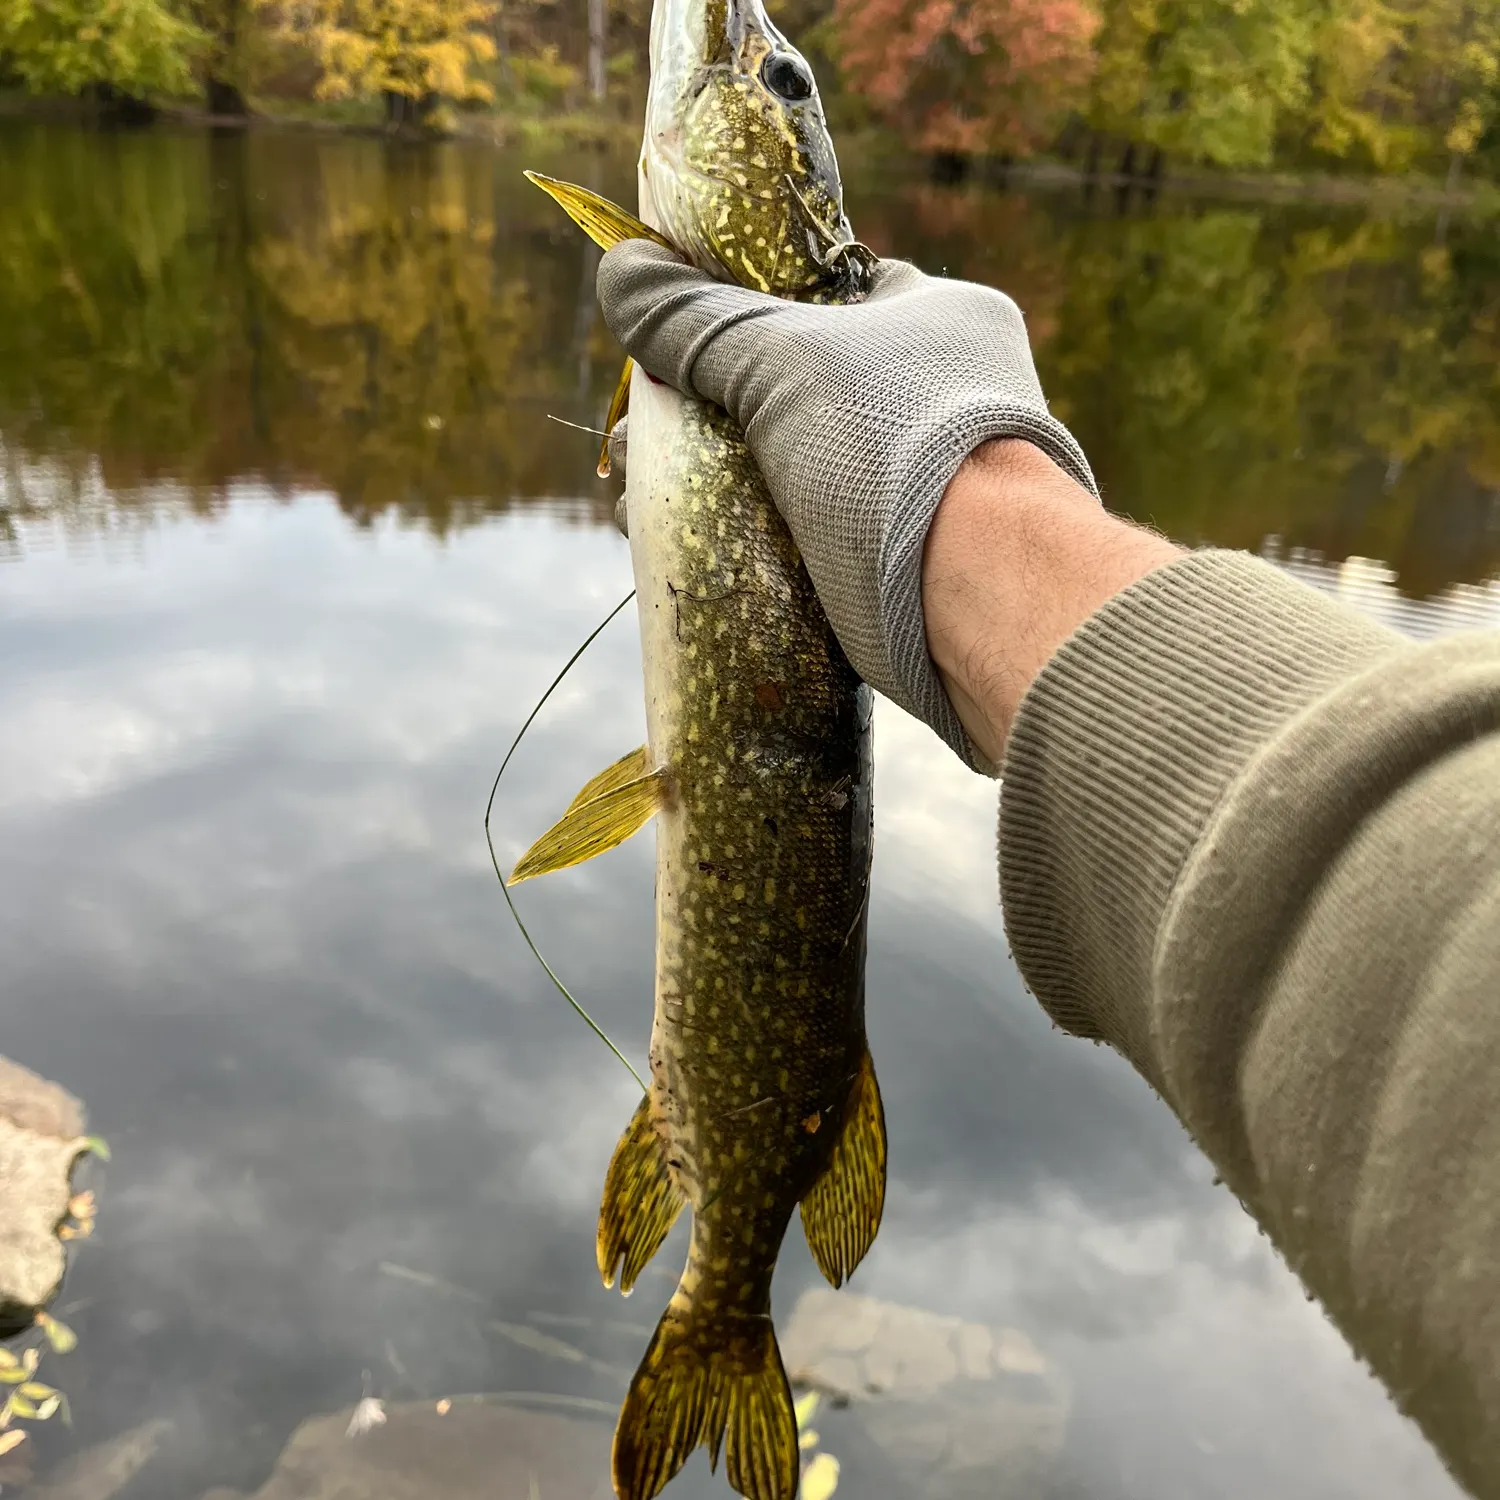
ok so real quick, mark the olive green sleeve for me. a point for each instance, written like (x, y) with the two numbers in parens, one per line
(1253, 842)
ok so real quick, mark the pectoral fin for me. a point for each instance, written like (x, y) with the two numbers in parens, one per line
(618, 405)
(641, 1202)
(841, 1214)
(623, 806)
(604, 222)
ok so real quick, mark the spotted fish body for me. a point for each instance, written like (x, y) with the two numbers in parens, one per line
(757, 769)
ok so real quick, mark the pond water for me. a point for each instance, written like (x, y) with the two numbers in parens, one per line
(290, 549)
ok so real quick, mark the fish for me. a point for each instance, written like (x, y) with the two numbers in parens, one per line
(757, 772)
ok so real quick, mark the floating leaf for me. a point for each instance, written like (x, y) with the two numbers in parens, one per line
(821, 1478)
(98, 1145)
(10, 1441)
(369, 1413)
(59, 1335)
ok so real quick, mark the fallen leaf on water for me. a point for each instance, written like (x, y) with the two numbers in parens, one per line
(59, 1335)
(370, 1412)
(821, 1478)
(10, 1441)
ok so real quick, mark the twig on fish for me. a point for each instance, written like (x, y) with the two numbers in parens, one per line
(577, 426)
(489, 806)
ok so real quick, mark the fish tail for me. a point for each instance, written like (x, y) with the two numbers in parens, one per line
(708, 1381)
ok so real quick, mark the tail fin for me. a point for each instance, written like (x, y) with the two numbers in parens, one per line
(707, 1383)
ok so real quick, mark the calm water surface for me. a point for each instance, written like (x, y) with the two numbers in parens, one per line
(290, 548)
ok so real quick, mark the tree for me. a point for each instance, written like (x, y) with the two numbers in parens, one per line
(1358, 108)
(411, 52)
(967, 76)
(1205, 80)
(126, 47)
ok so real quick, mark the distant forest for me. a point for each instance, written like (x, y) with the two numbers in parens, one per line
(1135, 86)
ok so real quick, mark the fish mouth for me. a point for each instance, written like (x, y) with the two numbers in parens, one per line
(712, 60)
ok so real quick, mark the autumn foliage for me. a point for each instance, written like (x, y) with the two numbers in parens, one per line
(969, 76)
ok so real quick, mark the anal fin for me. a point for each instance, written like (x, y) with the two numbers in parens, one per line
(841, 1213)
(641, 1202)
(618, 802)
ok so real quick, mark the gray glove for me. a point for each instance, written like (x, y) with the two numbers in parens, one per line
(858, 417)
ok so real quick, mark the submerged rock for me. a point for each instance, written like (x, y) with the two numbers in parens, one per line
(956, 1409)
(479, 1449)
(41, 1136)
(101, 1472)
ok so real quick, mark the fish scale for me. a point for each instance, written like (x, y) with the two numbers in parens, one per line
(757, 771)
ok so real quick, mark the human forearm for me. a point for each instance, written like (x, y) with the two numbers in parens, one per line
(1017, 557)
(1254, 843)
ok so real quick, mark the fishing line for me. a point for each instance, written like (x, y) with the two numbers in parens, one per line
(489, 806)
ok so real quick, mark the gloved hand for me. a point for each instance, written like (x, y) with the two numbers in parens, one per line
(858, 417)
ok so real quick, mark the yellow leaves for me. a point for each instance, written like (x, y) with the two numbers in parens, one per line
(59, 1335)
(415, 48)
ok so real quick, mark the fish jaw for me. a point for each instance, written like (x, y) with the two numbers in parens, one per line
(741, 177)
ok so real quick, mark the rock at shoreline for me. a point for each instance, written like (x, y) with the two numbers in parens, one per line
(41, 1136)
(478, 1449)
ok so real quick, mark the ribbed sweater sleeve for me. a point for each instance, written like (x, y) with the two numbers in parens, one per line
(1252, 841)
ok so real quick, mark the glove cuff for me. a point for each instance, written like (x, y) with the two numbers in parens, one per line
(913, 680)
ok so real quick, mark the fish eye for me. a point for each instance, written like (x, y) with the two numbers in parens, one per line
(787, 76)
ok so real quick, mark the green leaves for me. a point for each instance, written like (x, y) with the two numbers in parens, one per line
(138, 47)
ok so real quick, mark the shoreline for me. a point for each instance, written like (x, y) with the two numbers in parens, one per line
(592, 129)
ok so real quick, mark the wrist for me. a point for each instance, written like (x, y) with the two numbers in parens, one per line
(1017, 556)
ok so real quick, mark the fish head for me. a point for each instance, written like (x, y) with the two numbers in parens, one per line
(737, 168)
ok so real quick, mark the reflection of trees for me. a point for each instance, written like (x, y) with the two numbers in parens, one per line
(1238, 372)
(181, 311)
(391, 325)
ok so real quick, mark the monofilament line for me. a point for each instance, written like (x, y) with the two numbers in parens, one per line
(489, 806)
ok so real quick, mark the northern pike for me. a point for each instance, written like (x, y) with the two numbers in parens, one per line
(757, 770)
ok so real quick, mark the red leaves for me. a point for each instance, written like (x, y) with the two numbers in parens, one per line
(973, 75)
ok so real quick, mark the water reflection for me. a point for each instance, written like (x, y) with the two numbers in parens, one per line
(392, 325)
(244, 899)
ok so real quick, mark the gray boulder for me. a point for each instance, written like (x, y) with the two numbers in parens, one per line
(41, 1136)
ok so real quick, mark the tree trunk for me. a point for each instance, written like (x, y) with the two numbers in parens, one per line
(598, 24)
(224, 98)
